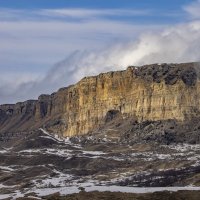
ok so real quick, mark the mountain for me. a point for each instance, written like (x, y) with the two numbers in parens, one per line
(134, 131)
(151, 92)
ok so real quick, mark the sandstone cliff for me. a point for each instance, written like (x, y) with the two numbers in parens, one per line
(151, 92)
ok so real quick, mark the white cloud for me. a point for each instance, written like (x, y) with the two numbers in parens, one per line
(193, 9)
(37, 42)
(10, 84)
(30, 41)
(90, 13)
(176, 44)
(76, 13)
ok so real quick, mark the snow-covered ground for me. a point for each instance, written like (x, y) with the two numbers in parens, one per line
(53, 151)
(6, 168)
(55, 137)
(184, 147)
(90, 187)
(3, 151)
(61, 180)
(105, 168)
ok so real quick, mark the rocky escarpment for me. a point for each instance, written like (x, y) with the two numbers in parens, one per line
(151, 92)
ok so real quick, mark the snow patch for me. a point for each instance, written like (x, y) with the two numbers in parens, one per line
(3, 151)
(6, 168)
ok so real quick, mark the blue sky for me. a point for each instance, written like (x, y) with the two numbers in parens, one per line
(163, 11)
(47, 44)
(155, 4)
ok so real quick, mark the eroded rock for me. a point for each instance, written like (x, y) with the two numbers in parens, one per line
(151, 92)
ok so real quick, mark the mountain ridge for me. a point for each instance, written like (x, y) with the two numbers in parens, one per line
(149, 92)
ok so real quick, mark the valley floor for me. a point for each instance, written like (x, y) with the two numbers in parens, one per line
(41, 164)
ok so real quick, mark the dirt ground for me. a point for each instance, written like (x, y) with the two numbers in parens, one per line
(180, 195)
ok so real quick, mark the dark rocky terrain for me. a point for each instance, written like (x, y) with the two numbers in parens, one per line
(114, 158)
(180, 195)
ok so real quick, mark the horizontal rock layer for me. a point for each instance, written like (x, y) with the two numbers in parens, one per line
(151, 92)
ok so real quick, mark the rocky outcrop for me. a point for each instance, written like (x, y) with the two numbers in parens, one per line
(151, 92)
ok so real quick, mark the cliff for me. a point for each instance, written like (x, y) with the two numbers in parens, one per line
(151, 92)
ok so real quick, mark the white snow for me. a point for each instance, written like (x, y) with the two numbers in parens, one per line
(6, 168)
(94, 153)
(3, 151)
(150, 156)
(48, 137)
(5, 196)
(6, 186)
(58, 152)
(15, 195)
(31, 151)
(52, 136)
(61, 180)
(185, 147)
(60, 139)
(194, 158)
(56, 137)
(90, 187)
(163, 156)
(32, 197)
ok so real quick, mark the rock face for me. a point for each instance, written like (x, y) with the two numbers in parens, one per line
(151, 92)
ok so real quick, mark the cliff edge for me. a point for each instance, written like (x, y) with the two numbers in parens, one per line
(151, 92)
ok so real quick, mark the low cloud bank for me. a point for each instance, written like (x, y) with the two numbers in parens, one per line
(175, 44)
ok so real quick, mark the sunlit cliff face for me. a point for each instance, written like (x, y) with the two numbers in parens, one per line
(154, 92)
